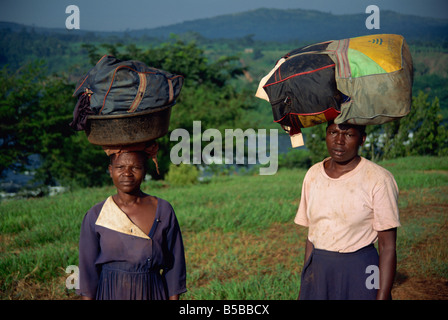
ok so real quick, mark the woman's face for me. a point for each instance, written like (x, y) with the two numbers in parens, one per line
(343, 142)
(127, 171)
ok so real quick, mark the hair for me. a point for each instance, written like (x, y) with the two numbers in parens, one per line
(113, 156)
(361, 129)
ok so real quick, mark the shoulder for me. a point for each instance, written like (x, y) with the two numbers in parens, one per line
(164, 204)
(375, 169)
(90, 218)
(165, 208)
(167, 215)
(93, 213)
(378, 177)
(315, 169)
(318, 165)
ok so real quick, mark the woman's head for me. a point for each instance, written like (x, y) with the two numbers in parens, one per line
(127, 170)
(143, 155)
(344, 140)
(148, 149)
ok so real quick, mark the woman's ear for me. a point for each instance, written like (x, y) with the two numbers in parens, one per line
(363, 139)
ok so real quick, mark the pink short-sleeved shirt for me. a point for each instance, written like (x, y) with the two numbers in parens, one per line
(345, 214)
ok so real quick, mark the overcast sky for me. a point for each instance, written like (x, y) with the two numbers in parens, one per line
(120, 15)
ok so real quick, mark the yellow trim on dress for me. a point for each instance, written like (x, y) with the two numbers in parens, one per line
(113, 218)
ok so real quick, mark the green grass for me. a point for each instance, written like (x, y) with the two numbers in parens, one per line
(240, 239)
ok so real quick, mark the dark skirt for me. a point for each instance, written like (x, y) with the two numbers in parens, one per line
(123, 281)
(331, 275)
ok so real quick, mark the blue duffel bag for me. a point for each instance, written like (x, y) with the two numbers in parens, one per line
(116, 87)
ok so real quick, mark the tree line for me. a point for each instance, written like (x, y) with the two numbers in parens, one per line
(421, 132)
(36, 108)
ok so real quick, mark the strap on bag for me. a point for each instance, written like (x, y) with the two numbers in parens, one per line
(140, 92)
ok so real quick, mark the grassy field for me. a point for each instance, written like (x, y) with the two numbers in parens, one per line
(239, 235)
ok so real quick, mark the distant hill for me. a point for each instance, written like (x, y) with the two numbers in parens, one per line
(282, 25)
(296, 24)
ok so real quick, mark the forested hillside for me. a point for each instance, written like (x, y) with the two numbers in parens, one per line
(304, 25)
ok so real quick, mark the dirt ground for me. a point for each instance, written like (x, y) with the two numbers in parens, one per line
(421, 289)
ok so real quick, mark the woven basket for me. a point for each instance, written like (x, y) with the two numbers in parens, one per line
(124, 129)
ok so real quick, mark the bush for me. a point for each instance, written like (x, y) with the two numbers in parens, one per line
(181, 175)
(295, 158)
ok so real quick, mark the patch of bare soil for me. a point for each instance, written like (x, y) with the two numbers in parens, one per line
(431, 248)
(421, 289)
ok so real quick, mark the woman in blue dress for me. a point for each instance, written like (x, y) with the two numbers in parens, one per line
(130, 244)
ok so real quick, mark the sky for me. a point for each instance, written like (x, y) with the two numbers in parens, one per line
(121, 15)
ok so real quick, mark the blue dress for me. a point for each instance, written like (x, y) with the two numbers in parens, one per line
(118, 261)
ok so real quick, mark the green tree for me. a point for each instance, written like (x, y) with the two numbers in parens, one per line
(20, 92)
(421, 132)
(67, 156)
(35, 111)
(314, 138)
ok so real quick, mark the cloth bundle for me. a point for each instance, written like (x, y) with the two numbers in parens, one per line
(151, 148)
(364, 81)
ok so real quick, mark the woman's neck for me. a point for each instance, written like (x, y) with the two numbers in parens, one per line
(128, 199)
(335, 169)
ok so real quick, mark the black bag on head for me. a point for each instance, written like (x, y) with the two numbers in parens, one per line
(122, 87)
(302, 90)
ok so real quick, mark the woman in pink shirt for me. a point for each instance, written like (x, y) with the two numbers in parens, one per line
(348, 203)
